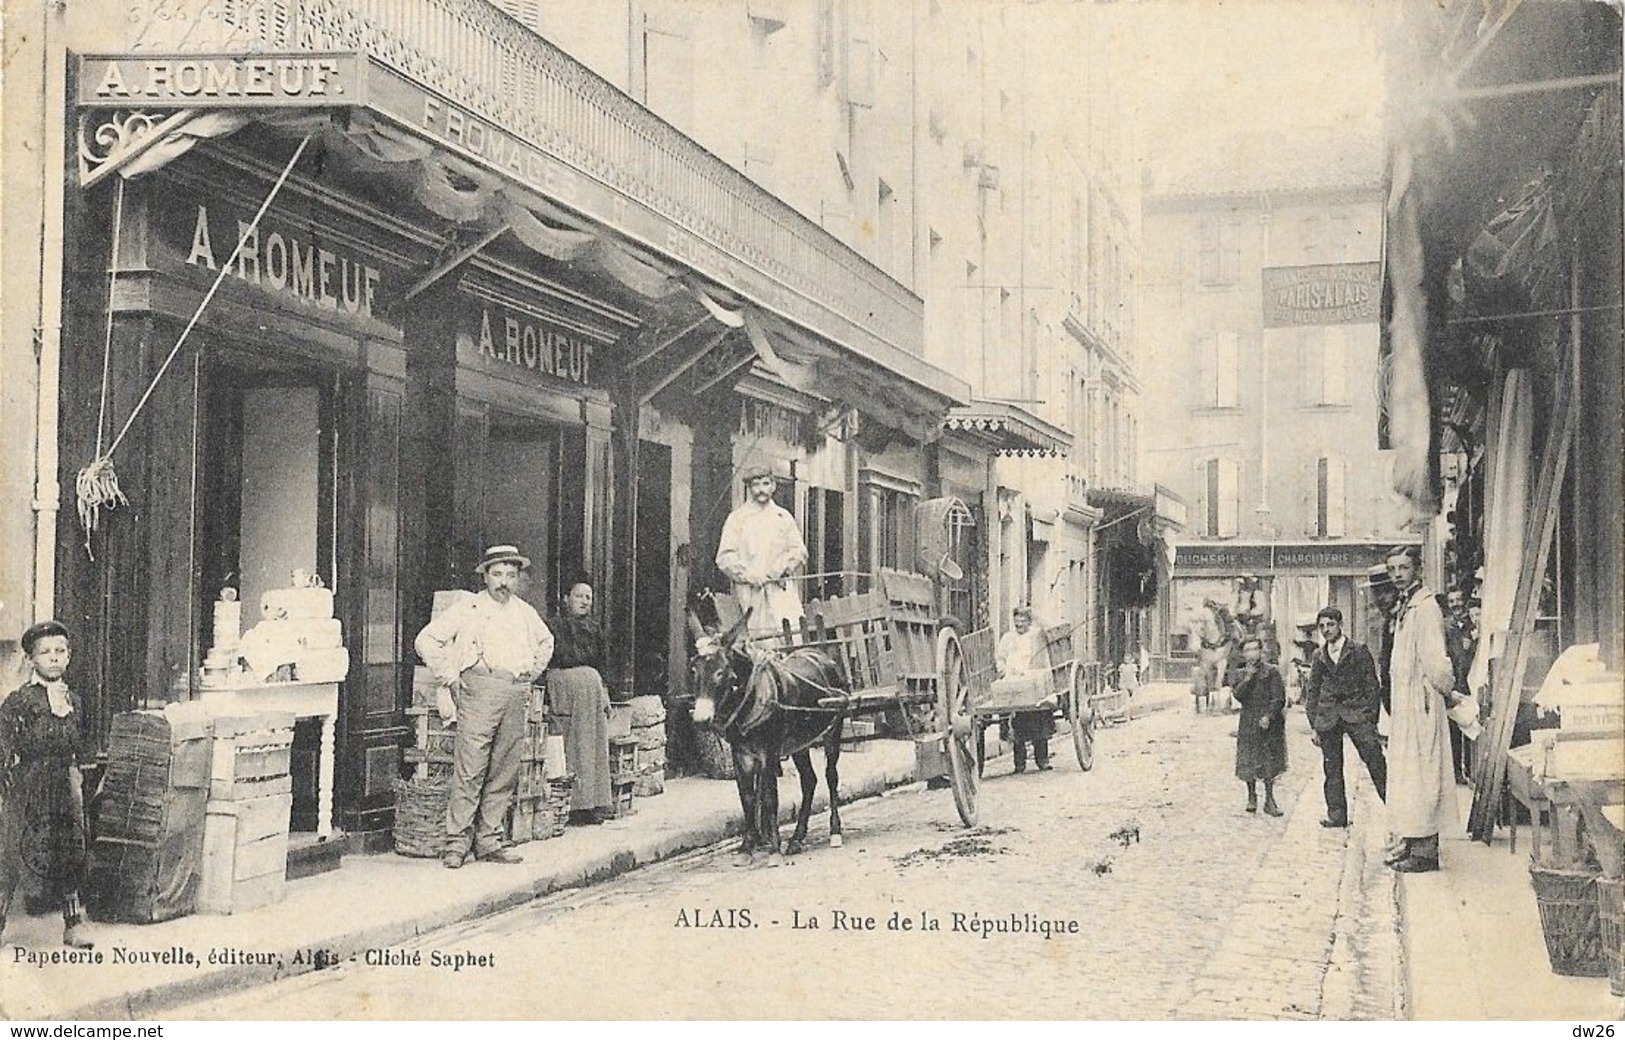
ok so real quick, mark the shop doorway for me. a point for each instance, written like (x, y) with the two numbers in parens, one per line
(652, 592)
(266, 506)
(521, 489)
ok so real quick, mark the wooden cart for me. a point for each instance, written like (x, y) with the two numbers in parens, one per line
(1065, 686)
(894, 651)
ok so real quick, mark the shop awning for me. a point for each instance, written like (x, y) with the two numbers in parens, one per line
(1009, 428)
(1489, 125)
(829, 323)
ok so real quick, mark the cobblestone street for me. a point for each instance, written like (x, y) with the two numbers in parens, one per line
(1185, 906)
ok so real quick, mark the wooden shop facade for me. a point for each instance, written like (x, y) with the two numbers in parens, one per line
(359, 298)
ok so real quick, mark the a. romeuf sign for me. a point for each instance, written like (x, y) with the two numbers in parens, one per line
(1321, 294)
(222, 80)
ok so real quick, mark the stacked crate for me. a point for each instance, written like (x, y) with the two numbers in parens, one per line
(528, 819)
(430, 753)
(145, 861)
(649, 729)
(245, 831)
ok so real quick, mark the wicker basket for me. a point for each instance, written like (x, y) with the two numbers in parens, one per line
(420, 816)
(1569, 919)
(560, 789)
(1609, 912)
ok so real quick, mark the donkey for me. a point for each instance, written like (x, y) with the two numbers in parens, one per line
(766, 707)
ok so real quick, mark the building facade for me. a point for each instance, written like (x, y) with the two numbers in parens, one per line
(354, 294)
(1262, 336)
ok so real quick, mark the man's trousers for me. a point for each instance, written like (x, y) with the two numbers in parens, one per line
(1368, 745)
(485, 761)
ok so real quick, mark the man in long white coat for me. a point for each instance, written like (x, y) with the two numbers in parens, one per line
(1421, 783)
(760, 549)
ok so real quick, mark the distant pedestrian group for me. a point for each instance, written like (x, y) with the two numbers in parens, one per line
(1416, 675)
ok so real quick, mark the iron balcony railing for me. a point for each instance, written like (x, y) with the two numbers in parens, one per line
(478, 57)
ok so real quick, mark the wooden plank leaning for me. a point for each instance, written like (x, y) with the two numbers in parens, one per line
(1507, 684)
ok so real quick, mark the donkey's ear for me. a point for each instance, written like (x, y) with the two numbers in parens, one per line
(737, 629)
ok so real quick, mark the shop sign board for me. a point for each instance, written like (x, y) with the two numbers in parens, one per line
(1321, 294)
(293, 262)
(510, 341)
(1264, 559)
(222, 80)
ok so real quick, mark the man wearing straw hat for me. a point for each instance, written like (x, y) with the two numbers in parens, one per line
(486, 650)
(760, 549)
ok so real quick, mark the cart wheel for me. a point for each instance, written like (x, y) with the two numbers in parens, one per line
(959, 725)
(1083, 723)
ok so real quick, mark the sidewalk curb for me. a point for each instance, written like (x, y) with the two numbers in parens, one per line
(639, 850)
(1402, 954)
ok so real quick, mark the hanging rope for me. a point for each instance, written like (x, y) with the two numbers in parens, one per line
(97, 486)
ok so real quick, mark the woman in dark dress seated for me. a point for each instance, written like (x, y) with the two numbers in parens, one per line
(576, 694)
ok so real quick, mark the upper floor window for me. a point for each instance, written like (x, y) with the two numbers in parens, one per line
(1331, 504)
(1325, 366)
(1219, 370)
(1219, 252)
(1218, 497)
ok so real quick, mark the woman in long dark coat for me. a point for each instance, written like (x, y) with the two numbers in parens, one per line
(1261, 730)
(576, 694)
(42, 812)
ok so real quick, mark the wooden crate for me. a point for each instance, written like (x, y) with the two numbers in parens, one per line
(247, 749)
(623, 757)
(529, 819)
(930, 757)
(428, 764)
(1021, 694)
(430, 731)
(532, 781)
(622, 792)
(245, 853)
(856, 735)
(620, 720)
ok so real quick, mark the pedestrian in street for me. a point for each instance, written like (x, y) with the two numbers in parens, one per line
(1261, 729)
(1383, 596)
(1017, 661)
(42, 808)
(577, 698)
(1421, 783)
(1213, 629)
(1342, 698)
(1460, 641)
(760, 549)
(486, 650)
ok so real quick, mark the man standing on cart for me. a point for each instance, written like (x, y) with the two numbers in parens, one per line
(760, 549)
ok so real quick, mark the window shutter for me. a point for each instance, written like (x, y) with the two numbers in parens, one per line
(1336, 502)
(1207, 372)
(1320, 497)
(1334, 359)
(1200, 501)
(1230, 260)
(1309, 495)
(1309, 359)
(1229, 498)
(1229, 366)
